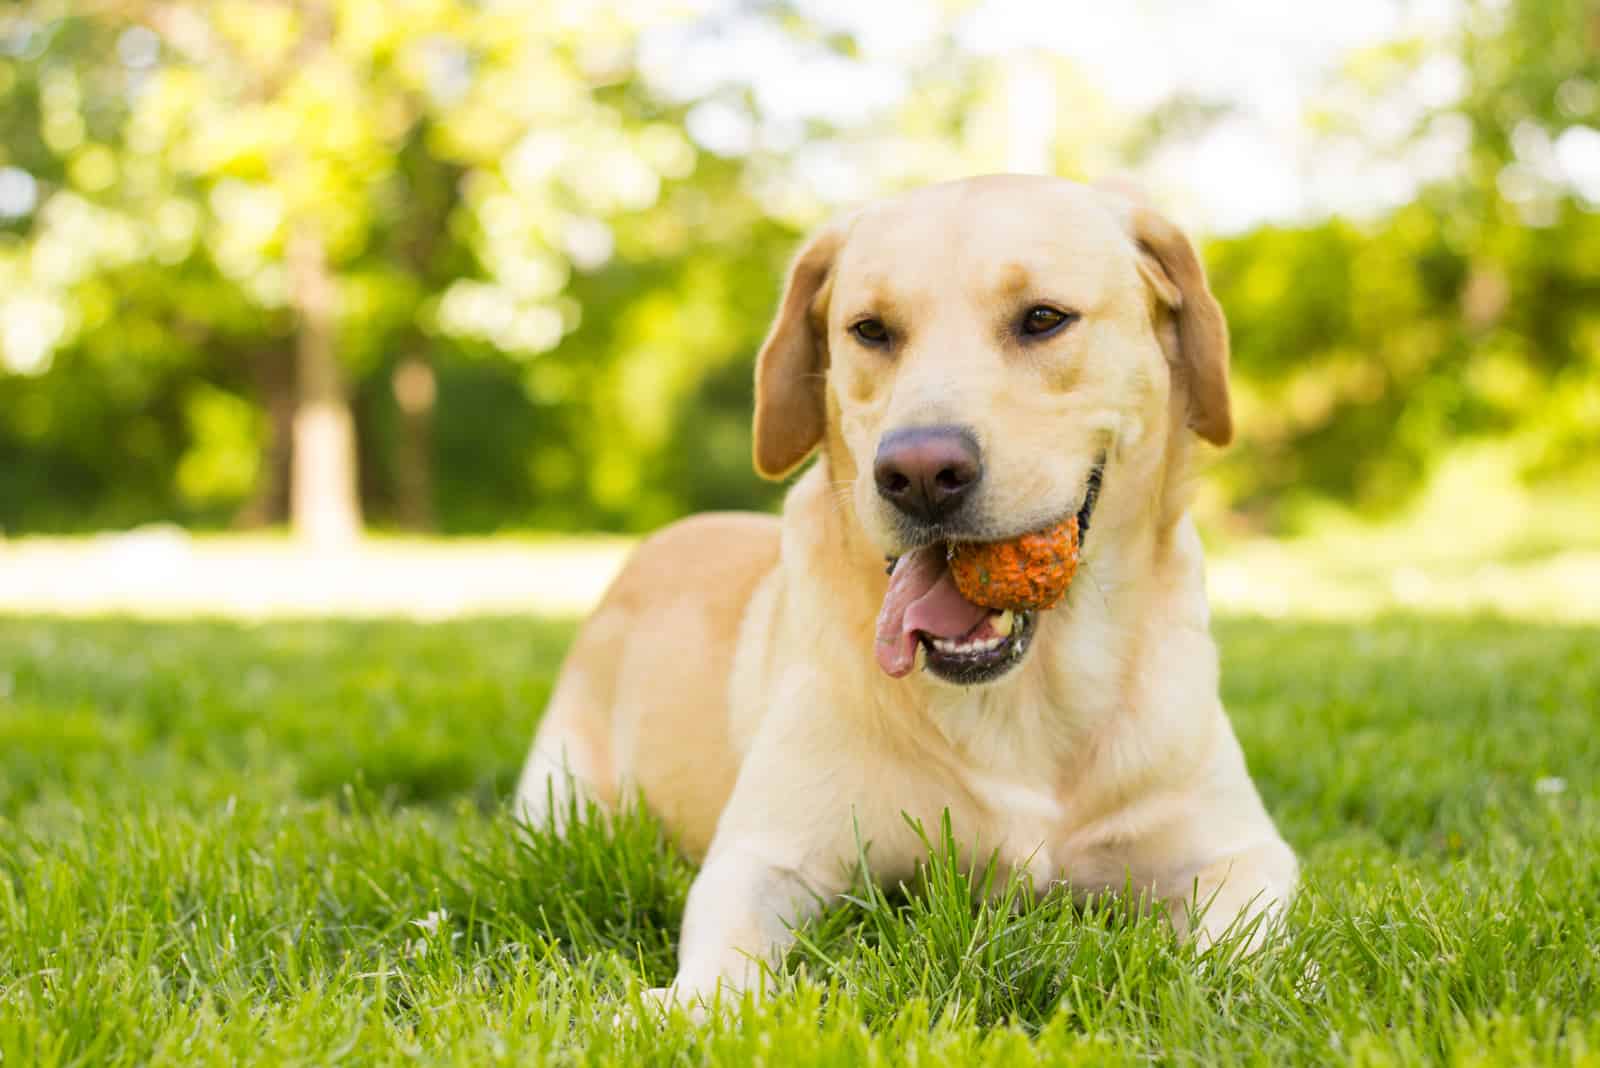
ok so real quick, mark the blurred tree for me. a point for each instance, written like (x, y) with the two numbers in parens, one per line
(461, 263)
(1364, 349)
(357, 178)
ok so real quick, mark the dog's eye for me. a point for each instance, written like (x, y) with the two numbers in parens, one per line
(1042, 319)
(871, 332)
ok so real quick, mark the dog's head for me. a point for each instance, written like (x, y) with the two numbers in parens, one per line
(977, 357)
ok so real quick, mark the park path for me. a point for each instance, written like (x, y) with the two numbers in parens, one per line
(164, 572)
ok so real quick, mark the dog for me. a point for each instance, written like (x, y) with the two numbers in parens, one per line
(972, 361)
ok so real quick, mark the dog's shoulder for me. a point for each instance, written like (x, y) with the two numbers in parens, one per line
(703, 550)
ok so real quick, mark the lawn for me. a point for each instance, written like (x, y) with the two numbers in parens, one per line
(284, 843)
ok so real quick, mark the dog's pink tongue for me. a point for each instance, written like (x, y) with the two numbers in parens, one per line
(922, 597)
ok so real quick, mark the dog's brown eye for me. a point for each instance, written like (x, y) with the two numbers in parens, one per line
(1045, 320)
(871, 331)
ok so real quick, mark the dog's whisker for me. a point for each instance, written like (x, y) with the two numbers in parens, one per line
(1088, 572)
(842, 492)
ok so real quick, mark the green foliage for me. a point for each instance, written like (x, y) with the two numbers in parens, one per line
(1362, 352)
(261, 844)
(507, 200)
(1365, 351)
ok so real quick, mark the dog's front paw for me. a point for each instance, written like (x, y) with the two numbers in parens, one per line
(658, 1002)
(659, 998)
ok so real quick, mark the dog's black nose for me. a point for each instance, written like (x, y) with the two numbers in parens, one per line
(927, 471)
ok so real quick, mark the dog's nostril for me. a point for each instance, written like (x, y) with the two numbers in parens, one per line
(897, 483)
(949, 479)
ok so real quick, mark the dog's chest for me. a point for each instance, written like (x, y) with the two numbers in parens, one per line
(1014, 810)
(1021, 791)
(1019, 819)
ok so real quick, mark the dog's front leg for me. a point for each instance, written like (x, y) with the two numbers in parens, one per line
(1245, 891)
(786, 844)
(740, 920)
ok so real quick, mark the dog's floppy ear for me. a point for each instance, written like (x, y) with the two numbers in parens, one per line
(790, 370)
(1169, 263)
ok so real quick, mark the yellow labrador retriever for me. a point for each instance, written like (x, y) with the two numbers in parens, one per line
(973, 361)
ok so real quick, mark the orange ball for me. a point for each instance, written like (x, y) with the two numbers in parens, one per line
(1028, 572)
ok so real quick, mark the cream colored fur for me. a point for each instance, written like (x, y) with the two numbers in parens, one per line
(728, 677)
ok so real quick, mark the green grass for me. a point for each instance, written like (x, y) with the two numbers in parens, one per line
(216, 842)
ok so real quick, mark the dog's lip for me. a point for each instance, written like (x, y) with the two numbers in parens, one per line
(1091, 497)
(971, 669)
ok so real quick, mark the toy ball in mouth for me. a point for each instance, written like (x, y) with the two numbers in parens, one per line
(1028, 572)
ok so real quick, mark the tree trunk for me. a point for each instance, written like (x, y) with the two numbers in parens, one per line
(273, 371)
(414, 393)
(324, 506)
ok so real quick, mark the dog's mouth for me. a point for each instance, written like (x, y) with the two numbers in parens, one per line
(961, 642)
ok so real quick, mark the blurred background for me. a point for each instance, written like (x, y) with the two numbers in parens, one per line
(426, 307)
